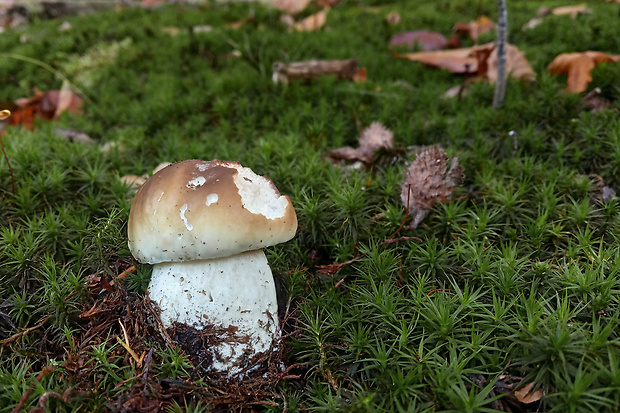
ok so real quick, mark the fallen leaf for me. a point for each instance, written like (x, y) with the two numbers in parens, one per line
(360, 76)
(134, 181)
(455, 60)
(428, 181)
(453, 92)
(475, 28)
(425, 40)
(65, 99)
(517, 64)
(578, 67)
(477, 60)
(326, 3)
(525, 395)
(311, 69)
(46, 105)
(573, 11)
(393, 18)
(160, 167)
(535, 22)
(288, 20)
(151, 3)
(291, 6)
(314, 22)
(172, 31)
(373, 138)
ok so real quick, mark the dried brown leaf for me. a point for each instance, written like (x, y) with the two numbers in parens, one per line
(374, 137)
(480, 60)
(578, 67)
(456, 60)
(517, 64)
(532, 23)
(291, 6)
(428, 181)
(526, 395)
(134, 181)
(475, 28)
(427, 41)
(311, 23)
(360, 76)
(573, 11)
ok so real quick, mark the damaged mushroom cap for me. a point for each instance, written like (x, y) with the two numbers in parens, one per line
(195, 210)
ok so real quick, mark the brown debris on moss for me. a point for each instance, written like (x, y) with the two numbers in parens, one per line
(428, 181)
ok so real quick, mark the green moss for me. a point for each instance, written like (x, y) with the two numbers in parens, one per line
(517, 276)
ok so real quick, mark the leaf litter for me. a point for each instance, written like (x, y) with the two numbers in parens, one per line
(429, 180)
(115, 316)
(578, 67)
(372, 139)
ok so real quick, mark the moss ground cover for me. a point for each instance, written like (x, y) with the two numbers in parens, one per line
(514, 281)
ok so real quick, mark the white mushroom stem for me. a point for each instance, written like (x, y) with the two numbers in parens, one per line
(236, 291)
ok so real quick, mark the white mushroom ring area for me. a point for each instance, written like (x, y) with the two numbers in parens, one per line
(203, 225)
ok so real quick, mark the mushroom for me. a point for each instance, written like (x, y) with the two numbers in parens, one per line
(203, 225)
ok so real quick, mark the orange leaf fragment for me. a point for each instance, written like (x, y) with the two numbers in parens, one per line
(456, 60)
(47, 105)
(573, 11)
(474, 28)
(478, 60)
(360, 76)
(291, 6)
(526, 395)
(578, 67)
(314, 22)
(517, 64)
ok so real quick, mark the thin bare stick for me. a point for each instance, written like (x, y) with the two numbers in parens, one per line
(23, 333)
(502, 34)
(22, 401)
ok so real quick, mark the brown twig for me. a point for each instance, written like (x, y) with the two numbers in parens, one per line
(22, 401)
(160, 324)
(124, 274)
(390, 241)
(23, 333)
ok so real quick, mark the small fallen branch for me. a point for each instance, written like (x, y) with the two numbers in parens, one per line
(23, 333)
(312, 69)
(502, 35)
(24, 399)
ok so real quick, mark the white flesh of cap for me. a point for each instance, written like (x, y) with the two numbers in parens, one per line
(232, 291)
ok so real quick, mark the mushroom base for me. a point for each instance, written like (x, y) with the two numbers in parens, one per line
(232, 300)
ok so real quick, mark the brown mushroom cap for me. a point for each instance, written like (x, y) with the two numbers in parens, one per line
(196, 210)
